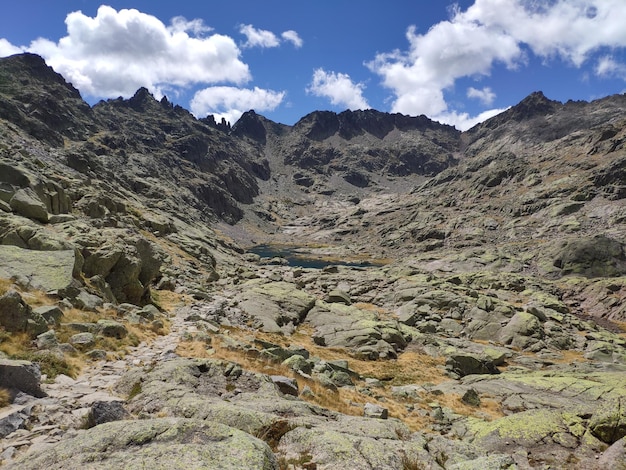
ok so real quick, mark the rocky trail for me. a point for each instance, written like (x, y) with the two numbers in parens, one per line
(71, 403)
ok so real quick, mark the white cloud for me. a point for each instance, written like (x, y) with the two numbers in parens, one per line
(7, 49)
(493, 32)
(230, 102)
(258, 37)
(180, 24)
(339, 88)
(116, 52)
(607, 66)
(485, 96)
(292, 37)
(463, 121)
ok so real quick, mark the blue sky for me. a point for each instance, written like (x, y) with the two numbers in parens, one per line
(456, 62)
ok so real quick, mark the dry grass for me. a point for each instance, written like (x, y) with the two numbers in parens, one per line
(13, 344)
(411, 367)
(5, 397)
(170, 301)
(5, 285)
(192, 349)
(34, 298)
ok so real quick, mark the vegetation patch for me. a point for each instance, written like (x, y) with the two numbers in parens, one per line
(412, 367)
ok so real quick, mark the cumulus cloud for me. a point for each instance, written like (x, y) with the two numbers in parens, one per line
(339, 88)
(494, 32)
(7, 49)
(116, 52)
(258, 37)
(292, 37)
(231, 102)
(485, 96)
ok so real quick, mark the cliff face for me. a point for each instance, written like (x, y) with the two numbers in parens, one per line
(475, 286)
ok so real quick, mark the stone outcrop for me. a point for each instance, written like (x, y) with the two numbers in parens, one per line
(166, 442)
(45, 270)
(21, 376)
(17, 316)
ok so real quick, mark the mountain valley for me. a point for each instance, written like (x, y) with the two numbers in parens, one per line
(469, 311)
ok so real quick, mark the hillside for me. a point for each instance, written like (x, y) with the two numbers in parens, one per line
(470, 311)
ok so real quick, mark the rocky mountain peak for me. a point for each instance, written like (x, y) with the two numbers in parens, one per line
(250, 125)
(28, 69)
(40, 101)
(143, 99)
(535, 104)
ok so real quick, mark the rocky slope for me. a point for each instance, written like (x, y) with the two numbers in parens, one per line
(487, 333)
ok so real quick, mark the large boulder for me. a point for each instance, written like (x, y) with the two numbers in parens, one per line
(523, 331)
(608, 423)
(598, 256)
(45, 270)
(23, 376)
(346, 326)
(173, 443)
(127, 262)
(275, 305)
(17, 316)
(27, 203)
(464, 364)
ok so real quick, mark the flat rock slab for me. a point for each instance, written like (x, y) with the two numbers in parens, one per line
(45, 270)
(173, 443)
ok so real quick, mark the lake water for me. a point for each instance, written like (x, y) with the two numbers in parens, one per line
(296, 258)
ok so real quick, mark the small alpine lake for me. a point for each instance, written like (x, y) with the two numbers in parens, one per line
(303, 258)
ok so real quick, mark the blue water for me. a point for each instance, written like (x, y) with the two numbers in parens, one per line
(297, 259)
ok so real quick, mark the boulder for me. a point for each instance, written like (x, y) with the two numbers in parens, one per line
(45, 270)
(106, 412)
(598, 256)
(464, 364)
(298, 363)
(128, 264)
(17, 316)
(346, 326)
(154, 443)
(24, 376)
(608, 422)
(14, 312)
(275, 304)
(522, 331)
(83, 341)
(111, 329)
(614, 457)
(371, 410)
(27, 203)
(51, 313)
(47, 340)
(286, 385)
(338, 296)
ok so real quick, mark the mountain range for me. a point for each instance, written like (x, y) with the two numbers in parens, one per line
(470, 311)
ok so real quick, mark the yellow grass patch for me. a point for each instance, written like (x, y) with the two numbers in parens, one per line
(5, 397)
(169, 300)
(411, 367)
(5, 285)
(192, 349)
